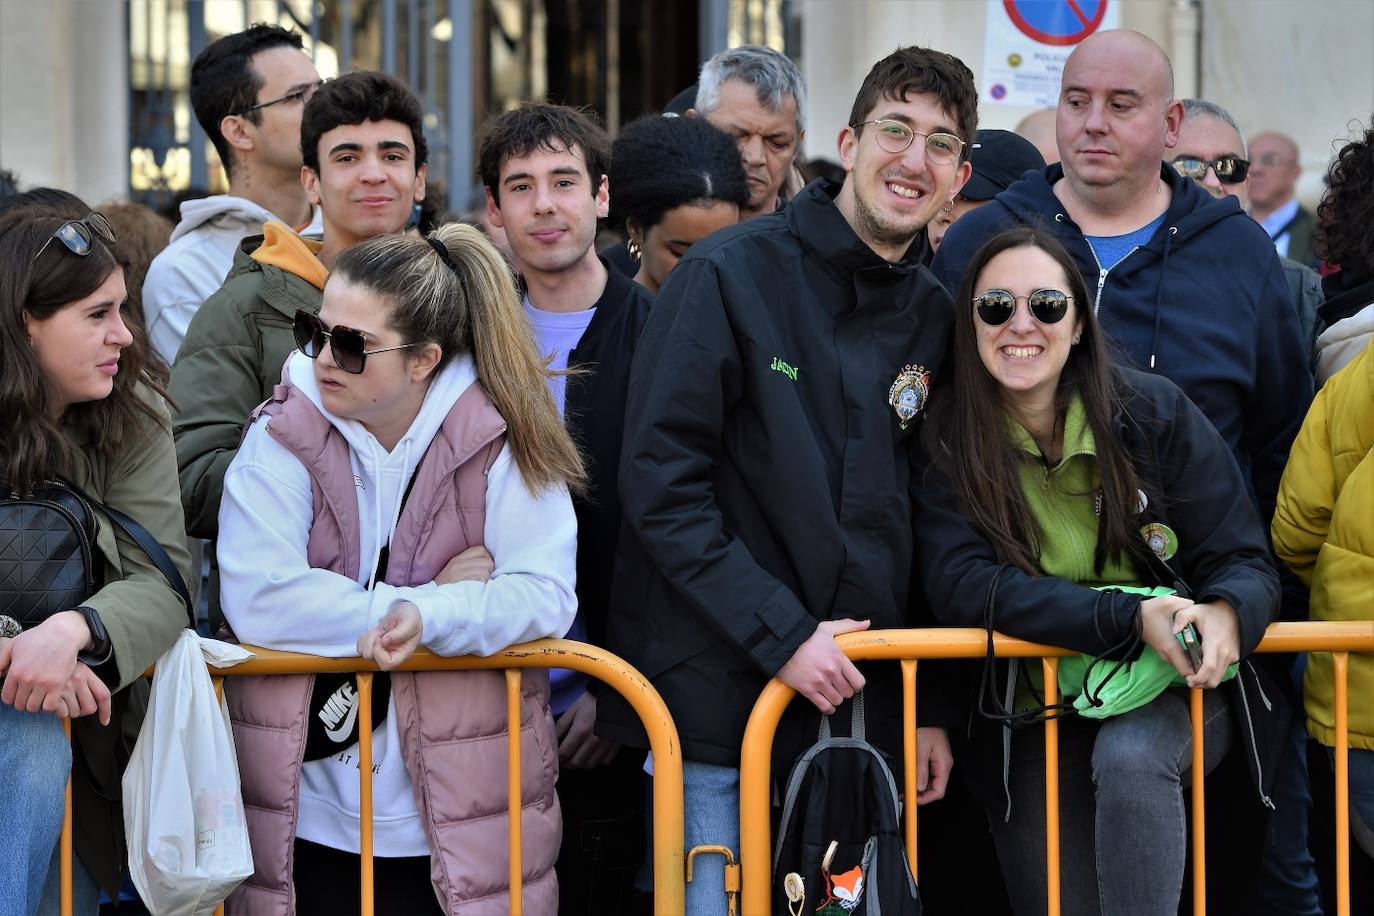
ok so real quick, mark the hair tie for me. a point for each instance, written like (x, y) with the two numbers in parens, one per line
(442, 252)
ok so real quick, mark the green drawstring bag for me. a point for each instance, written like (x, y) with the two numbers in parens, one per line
(1132, 686)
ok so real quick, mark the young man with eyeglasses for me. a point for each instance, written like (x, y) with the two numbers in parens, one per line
(769, 441)
(248, 91)
(363, 144)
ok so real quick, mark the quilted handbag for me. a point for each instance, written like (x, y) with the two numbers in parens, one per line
(48, 559)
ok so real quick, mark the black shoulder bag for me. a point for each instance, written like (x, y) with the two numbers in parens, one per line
(48, 561)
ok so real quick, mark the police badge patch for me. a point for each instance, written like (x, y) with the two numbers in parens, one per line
(909, 392)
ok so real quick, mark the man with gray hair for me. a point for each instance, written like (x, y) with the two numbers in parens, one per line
(756, 95)
(1211, 151)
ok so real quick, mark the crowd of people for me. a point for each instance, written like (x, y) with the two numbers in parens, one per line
(1056, 382)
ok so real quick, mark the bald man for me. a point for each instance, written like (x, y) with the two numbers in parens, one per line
(1274, 173)
(1038, 128)
(1187, 286)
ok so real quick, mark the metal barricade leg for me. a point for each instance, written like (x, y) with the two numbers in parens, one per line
(1340, 664)
(365, 789)
(910, 749)
(1199, 804)
(65, 854)
(1051, 669)
(517, 902)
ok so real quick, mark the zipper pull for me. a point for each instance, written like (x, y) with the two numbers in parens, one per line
(1101, 282)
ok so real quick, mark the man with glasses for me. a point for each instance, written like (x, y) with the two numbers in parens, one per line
(1211, 151)
(248, 91)
(769, 437)
(363, 145)
(1274, 173)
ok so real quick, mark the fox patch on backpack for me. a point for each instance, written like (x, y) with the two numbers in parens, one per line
(840, 844)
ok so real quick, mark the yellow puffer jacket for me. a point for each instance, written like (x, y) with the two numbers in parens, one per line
(1324, 531)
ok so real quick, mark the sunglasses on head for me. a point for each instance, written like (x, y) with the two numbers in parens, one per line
(346, 344)
(996, 306)
(1229, 169)
(79, 235)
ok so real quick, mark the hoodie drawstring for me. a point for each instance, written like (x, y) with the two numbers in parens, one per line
(1159, 294)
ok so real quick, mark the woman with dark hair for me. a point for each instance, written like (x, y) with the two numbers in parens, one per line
(79, 405)
(1071, 502)
(673, 181)
(407, 485)
(1345, 239)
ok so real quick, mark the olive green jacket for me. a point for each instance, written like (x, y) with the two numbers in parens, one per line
(142, 614)
(232, 358)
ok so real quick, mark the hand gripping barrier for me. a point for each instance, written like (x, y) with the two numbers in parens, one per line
(907, 646)
(544, 653)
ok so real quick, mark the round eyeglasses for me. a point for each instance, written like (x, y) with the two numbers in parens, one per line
(996, 306)
(79, 235)
(894, 137)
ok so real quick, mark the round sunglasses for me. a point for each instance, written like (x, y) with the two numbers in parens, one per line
(1229, 169)
(347, 344)
(996, 306)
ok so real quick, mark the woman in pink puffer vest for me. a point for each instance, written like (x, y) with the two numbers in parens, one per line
(406, 485)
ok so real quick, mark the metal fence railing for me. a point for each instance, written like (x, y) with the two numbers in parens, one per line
(668, 861)
(908, 646)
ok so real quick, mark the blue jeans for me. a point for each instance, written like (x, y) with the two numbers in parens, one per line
(710, 816)
(34, 762)
(85, 890)
(1122, 824)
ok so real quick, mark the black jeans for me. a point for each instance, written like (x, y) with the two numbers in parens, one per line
(328, 882)
(603, 835)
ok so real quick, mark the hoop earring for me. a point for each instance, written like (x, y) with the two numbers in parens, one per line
(949, 207)
(633, 249)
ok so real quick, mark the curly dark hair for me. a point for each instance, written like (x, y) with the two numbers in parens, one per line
(364, 95)
(539, 125)
(1345, 216)
(659, 164)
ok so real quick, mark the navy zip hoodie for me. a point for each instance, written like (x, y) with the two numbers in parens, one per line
(1203, 303)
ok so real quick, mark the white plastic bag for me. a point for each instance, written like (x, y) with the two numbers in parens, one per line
(183, 812)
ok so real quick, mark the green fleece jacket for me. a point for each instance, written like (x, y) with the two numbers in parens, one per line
(233, 356)
(142, 614)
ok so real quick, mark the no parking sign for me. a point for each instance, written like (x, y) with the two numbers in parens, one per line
(1027, 41)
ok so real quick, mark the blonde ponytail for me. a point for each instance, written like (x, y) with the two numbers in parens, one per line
(467, 302)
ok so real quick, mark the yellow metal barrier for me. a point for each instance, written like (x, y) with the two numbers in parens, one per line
(906, 646)
(544, 653)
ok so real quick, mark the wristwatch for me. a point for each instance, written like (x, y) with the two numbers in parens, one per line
(100, 640)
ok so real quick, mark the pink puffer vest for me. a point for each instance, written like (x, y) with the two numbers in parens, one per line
(452, 724)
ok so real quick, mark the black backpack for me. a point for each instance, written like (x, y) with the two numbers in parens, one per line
(841, 794)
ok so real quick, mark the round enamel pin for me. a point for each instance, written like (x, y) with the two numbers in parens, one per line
(1161, 539)
(909, 392)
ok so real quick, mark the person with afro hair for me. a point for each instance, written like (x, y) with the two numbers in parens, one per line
(673, 181)
(1345, 238)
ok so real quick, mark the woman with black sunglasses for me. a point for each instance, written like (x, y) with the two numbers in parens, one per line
(78, 405)
(1051, 471)
(407, 485)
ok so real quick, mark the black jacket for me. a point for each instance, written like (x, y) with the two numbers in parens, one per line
(764, 475)
(1204, 303)
(1222, 553)
(594, 412)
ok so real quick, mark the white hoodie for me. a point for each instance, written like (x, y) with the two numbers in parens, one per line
(273, 598)
(196, 261)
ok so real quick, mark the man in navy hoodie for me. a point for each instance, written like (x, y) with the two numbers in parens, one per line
(1182, 282)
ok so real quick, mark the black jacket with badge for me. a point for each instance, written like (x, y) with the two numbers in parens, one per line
(594, 412)
(765, 475)
(1222, 554)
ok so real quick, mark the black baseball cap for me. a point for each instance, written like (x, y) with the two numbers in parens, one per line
(999, 157)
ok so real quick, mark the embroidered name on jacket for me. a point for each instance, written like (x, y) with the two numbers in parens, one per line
(784, 368)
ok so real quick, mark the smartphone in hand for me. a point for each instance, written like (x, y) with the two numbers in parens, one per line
(1190, 641)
